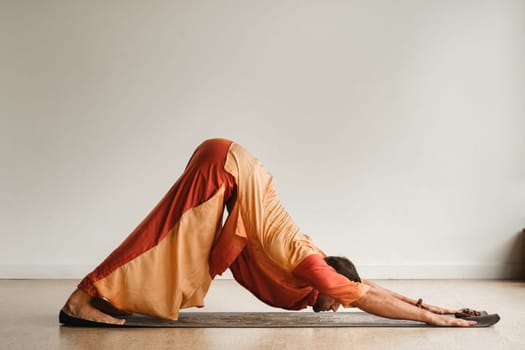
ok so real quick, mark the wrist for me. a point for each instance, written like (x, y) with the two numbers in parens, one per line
(418, 303)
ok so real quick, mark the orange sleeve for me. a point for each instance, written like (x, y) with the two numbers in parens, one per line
(317, 273)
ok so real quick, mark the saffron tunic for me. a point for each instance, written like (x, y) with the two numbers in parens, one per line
(168, 262)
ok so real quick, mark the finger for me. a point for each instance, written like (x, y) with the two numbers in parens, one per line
(463, 323)
(468, 323)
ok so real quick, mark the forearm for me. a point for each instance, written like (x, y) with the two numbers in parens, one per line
(377, 301)
(419, 303)
(393, 294)
(381, 302)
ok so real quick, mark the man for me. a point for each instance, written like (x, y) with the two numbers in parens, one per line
(169, 260)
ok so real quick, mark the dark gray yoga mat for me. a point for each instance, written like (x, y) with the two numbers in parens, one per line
(274, 320)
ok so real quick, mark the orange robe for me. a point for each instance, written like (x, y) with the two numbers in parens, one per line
(169, 260)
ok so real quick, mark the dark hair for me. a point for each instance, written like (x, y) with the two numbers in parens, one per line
(344, 267)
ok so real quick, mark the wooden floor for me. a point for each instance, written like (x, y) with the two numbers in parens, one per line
(29, 310)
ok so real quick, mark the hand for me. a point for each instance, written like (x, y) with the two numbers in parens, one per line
(447, 321)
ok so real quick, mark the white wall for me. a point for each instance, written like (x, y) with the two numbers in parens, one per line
(394, 129)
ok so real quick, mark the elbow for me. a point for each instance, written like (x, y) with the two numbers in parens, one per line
(365, 298)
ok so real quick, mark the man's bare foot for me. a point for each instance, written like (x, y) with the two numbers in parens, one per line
(79, 305)
(107, 308)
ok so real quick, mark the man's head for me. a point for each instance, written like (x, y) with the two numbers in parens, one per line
(344, 267)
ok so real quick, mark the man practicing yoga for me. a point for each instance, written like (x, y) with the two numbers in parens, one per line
(168, 262)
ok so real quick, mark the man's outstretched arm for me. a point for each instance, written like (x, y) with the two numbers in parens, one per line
(380, 302)
(431, 308)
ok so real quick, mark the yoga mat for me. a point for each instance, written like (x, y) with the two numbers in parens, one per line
(269, 320)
